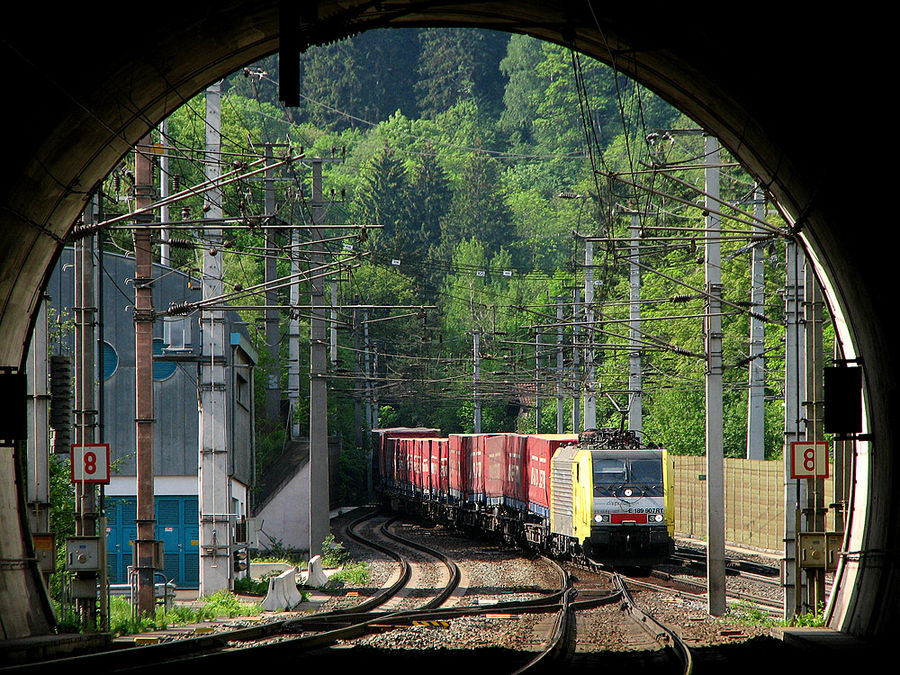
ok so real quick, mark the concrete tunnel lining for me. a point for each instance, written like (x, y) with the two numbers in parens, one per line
(90, 100)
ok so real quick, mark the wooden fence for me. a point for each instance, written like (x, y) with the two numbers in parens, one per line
(754, 501)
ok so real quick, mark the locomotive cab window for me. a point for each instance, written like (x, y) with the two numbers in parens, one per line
(614, 475)
(609, 474)
(645, 471)
(609, 471)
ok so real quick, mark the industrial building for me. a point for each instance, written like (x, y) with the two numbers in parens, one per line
(177, 356)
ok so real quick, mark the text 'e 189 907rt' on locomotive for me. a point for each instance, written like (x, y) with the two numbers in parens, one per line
(600, 494)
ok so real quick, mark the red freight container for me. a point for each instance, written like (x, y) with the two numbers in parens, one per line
(440, 478)
(401, 459)
(423, 465)
(466, 470)
(495, 468)
(475, 479)
(457, 461)
(414, 475)
(515, 479)
(385, 447)
(539, 450)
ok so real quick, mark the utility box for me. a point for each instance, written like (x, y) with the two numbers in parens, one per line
(83, 554)
(820, 550)
(45, 550)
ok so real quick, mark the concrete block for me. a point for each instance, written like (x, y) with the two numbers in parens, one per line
(315, 575)
(282, 594)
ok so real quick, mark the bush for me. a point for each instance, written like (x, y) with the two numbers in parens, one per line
(333, 552)
(250, 586)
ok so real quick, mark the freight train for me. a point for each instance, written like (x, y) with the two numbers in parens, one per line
(600, 495)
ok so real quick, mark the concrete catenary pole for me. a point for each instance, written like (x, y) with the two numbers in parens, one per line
(476, 379)
(370, 417)
(38, 446)
(815, 431)
(214, 484)
(576, 330)
(715, 474)
(145, 544)
(756, 411)
(293, 390)
(273, 383)
(635, 373)
(87, 509)
(560, 407)
(164, 246)
(537, 382)
(332, 328)
(793, 393)
(590, 395)
(319, 524)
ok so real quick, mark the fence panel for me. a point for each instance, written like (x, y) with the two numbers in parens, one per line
(754, 501)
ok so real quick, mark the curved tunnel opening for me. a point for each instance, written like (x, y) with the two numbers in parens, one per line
(90, 114)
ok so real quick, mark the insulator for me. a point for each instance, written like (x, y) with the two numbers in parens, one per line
(176, 182)
(179, 308)
(185, 212)
(61, 401)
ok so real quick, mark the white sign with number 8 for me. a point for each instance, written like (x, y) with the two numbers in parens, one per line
(90, 463)
(809, 459)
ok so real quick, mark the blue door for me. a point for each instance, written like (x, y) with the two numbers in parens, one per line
(120, 533)
(177, 526)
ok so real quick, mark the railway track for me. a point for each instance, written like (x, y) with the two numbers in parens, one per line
(569, 635)
(287, 640)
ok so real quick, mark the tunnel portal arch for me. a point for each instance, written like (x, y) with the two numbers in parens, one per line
(770, 90)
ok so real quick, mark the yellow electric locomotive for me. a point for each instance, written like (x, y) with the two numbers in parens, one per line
(611, 500)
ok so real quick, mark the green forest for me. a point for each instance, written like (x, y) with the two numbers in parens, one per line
(468, 166)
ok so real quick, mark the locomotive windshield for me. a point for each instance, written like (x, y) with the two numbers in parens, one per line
(612, 474)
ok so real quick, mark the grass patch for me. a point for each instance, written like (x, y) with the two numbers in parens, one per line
(352, 574)
(746, 613)
(219, 604)
(250, 586)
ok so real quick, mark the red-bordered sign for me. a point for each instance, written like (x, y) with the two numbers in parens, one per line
(809, 459)
(90, 463)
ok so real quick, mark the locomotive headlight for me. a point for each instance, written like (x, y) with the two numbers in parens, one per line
(658, 517)
(628, 492)
(601, 518)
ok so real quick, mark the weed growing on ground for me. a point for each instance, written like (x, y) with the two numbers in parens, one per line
(352, 574)
(219, 604)
(749, 614)
(333, 552)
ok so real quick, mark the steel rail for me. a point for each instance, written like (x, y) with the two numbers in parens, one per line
(452, 567)
(562, 629)
(662, 634)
